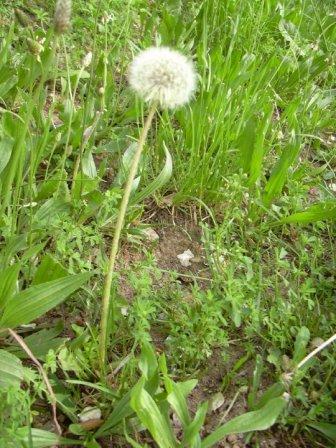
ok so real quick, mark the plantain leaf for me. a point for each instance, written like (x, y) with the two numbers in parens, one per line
(8, 280)
(42, 438)
(11, 370)
(40, 342)
(276, 390)
(179, 403)
(300, 345)
(49, 269)
(120, 411)
(150, 416)
(6, 146)
(192, 432)
(258, 420)
(31, 303)
(251, 399)
(49, 212)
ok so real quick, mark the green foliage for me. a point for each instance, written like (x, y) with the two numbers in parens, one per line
(255, 151)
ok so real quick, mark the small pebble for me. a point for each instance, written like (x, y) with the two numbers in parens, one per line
(232, 438)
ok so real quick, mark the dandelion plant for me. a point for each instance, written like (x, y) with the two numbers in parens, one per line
(162, 78)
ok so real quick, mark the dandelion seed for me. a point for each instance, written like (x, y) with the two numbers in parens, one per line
(62, 16)
(163, 75)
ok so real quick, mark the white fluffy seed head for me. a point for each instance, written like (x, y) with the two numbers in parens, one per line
(162, 75)
(62, 16)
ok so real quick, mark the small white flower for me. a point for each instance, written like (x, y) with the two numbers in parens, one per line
(185, 258)
(163, 75)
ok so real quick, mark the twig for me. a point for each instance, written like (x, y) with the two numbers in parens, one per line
(316, 351)
(53, 400)
(226, 413)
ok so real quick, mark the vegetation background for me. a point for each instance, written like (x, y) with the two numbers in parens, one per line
(243, 177)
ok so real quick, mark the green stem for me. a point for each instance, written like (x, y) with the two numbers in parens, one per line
(115, 243)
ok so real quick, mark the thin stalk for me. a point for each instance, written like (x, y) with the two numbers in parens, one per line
(115, 243)
(53, 400)
(65, 153)
(316, 351)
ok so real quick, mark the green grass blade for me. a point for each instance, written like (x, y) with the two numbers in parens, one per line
(318, 212)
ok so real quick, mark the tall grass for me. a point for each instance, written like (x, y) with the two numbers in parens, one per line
(265, 94)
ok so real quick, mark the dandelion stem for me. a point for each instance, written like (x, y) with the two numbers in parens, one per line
(115, 243)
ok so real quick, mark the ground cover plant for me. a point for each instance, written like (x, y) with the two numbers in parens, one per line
(167, 260)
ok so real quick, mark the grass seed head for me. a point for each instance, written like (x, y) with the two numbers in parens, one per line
(62, 16)
(22, 18)
(162, 75)
(34, 47)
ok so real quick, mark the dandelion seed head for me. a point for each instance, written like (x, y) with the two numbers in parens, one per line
(163, 75)
(62, 16)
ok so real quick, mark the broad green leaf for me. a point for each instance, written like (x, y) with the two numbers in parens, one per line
(49, 269)
(319, 212)
(121, 410)
(327, 429)
(40, 342)
(8, 281)
(158, 182)
(179, 403)
(192, 432)
(147, 362)
(6, 86)
(50, 185)
(88, 165)
(42, 438)
(32, 251)
(31, 303)
(276, 390)
(300, 345)
(6, 146)
(258, 420)
(11, 370)
(150, 416)
(49, 212)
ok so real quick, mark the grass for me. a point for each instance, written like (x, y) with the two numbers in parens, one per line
(244, 176)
